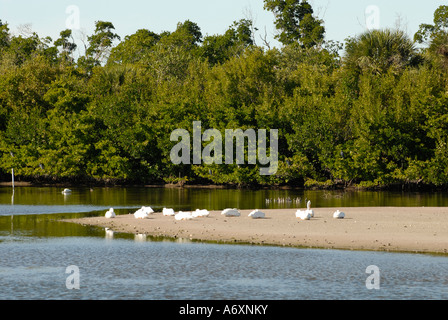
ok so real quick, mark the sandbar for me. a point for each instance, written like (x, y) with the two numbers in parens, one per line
(394, 229)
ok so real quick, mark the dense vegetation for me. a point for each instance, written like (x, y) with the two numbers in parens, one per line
(376, 115)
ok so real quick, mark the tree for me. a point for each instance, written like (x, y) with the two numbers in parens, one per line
(219, 48)
(436, 35)
(4, 35)
(21, 49)
(67, 46)
(101, 42)
(296, 23)
(380, 50)
(173, 53)
(433, 33)
(188, 35)
(135, 47)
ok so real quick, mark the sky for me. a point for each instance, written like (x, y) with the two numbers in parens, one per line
(342, 18)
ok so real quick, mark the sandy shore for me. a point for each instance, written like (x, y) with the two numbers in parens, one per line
(380, 228)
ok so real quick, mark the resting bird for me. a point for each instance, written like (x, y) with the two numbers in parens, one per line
(303, 214)
(231, 213)
(168, 212)
(257, 214)
(143, 213)
(201, 213)
(339, 215)
(110, 214)
(183, 216)
(67, 191)
(147, 210)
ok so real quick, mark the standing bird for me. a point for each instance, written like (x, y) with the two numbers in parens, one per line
(308, 209)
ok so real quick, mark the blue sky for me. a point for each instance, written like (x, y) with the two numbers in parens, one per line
(342, 18)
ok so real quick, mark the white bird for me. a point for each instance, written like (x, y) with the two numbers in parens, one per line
(183, 216)
(257, 214)
(308, 209)
(201, 213)
(231, 213)
(339, 215)
(143, 213)
(110, 214)
(67, 191)
(148, 210)
(168, 212)
(303, 214)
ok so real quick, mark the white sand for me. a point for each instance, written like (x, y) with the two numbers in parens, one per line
(379, 228)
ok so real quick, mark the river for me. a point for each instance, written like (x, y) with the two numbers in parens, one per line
(37, 251)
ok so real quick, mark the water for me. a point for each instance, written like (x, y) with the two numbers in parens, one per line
(36, 249)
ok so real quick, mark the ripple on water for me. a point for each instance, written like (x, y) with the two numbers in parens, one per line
(124, 269)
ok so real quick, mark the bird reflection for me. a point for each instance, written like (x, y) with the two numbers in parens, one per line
(140, 237)
(109, 233)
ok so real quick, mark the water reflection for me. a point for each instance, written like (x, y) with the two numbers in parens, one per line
(36, 247)
(212, 199)
(124, 269)
(140, 238)
(37, 211)
(109, 234)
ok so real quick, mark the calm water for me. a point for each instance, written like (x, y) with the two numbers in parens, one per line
(36, 248)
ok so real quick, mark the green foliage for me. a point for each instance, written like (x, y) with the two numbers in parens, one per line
(220, 48)
(295, 21)
(376, 116)
(134, 48)
(436, 37)
(380, 50)
(67, 47)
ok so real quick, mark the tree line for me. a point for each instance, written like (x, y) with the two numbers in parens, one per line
(375, 115)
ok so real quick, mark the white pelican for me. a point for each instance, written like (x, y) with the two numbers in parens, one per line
(168, 212)
(66, 191)
(110, 214)
(339, 215)
(231, 213)
(257, 214)
(303, 214)
(142, 213)
(183, 216)
(147, 210)
(308, 209)
(201, 213)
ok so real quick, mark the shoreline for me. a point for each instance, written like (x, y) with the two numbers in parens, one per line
(334, 187)
(391, 229)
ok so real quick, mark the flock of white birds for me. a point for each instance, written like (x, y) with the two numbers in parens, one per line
(145, 212)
